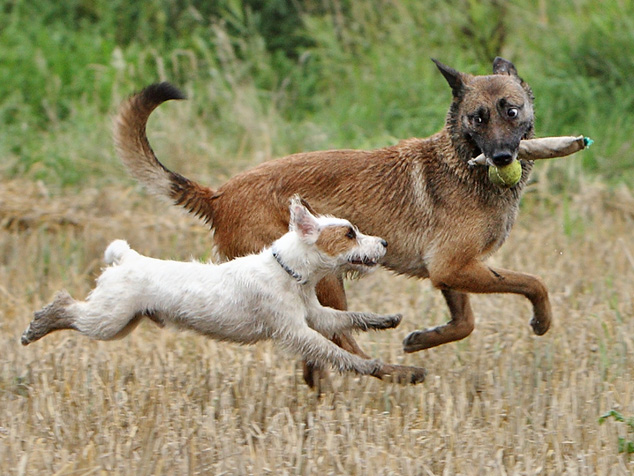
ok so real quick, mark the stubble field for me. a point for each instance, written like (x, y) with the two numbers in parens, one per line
(502, 402)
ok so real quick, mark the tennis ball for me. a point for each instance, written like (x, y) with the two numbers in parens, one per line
(506, 176)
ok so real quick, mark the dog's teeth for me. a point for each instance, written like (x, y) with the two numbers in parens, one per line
(365, 261)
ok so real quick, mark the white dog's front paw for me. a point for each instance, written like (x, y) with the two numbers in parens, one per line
(386, 322)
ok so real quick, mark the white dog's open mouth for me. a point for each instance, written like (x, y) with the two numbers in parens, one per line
(363, 261)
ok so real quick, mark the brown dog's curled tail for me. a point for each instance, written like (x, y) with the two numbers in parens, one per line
(135, 152)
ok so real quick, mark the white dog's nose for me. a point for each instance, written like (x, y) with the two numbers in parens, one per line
(384, 243)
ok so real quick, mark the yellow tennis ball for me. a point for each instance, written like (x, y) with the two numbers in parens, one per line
(506, 176)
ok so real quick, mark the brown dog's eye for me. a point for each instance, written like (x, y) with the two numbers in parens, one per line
(477, 119)
(351, 233)
(512, 112)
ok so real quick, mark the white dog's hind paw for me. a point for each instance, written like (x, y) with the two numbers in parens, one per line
(50, 318)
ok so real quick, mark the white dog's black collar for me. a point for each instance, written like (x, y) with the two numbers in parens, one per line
(294, 274)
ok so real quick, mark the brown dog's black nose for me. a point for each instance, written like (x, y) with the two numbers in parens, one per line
(502, 158)
(384, 243)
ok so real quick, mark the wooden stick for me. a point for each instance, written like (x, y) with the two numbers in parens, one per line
(544, 148)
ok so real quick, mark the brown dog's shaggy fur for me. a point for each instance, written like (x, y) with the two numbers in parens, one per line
(441, 217)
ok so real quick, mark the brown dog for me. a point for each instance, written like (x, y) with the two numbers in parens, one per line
(441, 217)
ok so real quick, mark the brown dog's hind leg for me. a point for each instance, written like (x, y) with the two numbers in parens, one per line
(330, 293)
(460, 326)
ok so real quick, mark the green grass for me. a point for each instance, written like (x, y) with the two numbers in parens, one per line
(315, 75)
(625, 445)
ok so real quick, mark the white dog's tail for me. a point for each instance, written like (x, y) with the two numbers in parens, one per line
(116, 251)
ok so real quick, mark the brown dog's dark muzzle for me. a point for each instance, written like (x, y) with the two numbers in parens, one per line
(502, 158)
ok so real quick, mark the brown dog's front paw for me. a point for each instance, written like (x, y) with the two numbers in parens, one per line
(421, 340)
(540, 326)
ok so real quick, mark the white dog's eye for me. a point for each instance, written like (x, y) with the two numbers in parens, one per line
(512, 112)
(351, 233)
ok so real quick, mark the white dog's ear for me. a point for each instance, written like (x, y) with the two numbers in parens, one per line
(302, 221)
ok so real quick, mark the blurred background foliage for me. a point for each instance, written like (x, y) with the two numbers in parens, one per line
(271, 77)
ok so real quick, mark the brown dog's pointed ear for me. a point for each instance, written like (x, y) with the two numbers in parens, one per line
(453, 77)
(502, 66)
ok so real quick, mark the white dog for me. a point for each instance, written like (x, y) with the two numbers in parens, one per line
(270, 295)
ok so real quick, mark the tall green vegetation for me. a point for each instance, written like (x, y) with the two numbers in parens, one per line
(322, 74)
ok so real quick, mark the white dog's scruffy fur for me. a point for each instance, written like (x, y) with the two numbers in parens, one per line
(270, 295)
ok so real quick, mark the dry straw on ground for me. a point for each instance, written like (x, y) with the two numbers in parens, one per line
(502, 402)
